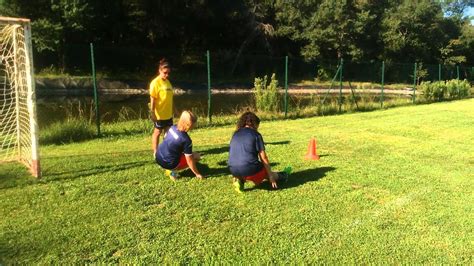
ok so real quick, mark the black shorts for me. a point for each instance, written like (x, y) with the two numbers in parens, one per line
(160, 124)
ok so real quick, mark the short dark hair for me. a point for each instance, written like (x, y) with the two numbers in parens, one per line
(163, 64)
(248, 119)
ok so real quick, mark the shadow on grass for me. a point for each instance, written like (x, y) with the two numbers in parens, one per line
(206, 171)
(92, 164)
(212, 172)
(115, 153)
(278, 142)
(225, 148)
(297, 179)
(83, 165)
(14, 174)
(217, 150)
(95, 170)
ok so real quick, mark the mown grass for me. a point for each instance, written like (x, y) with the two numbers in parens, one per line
(392, 186)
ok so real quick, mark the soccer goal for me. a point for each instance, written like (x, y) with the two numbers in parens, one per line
(18, 127)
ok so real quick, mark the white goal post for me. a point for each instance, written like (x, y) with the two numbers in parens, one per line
(18, 126)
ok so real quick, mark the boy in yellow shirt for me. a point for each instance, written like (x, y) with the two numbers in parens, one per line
(161, 103)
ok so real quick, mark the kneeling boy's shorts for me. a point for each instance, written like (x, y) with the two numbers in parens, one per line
(258, 177)
(255, 173)
(182, 163)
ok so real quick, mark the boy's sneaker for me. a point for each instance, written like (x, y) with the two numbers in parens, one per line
(173, 175)
(238, 185)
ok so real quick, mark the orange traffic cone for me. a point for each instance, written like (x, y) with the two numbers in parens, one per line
(312, 153)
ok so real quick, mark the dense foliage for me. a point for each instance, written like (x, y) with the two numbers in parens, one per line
(358, 30)
(440, 90)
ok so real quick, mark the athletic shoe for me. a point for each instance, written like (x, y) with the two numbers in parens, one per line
(173, 175)
(238, 186)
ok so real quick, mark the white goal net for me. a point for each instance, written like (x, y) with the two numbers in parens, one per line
(18, 127)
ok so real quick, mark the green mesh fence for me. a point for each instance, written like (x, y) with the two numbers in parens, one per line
(234, 70)
(399, 73)
(231, 71)
(363, 72)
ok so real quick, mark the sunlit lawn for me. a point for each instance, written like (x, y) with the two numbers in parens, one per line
(393, 186)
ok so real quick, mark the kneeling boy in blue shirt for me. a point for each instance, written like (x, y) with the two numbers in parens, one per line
(247, 157)
(176, 151)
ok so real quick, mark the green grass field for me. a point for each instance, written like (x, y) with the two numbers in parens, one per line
(393, 186)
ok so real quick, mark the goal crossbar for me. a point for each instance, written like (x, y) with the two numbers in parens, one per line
(14, 20)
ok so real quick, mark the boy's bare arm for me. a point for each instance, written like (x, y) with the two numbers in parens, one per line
(192, 165)
(266, 163)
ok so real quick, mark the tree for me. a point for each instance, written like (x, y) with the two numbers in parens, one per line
(455, 8)
(331, 29)
(255, 14)
(452, 54)
(53, 22)
(467, 41)
(411, 31)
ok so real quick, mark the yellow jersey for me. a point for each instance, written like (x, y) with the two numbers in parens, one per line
(162, 91)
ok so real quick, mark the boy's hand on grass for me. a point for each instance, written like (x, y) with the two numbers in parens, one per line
(274, 184)
(273, 178)
(199, 176)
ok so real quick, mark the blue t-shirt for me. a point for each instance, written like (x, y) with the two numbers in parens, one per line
(173, 146)
(245, 146)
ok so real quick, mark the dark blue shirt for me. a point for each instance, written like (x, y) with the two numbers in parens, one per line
(173, 146)
(245, 146)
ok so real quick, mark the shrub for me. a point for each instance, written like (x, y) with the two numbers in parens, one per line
(266, 96)
(440, 90)
(322, 75)
(457, 88)
(426, 89)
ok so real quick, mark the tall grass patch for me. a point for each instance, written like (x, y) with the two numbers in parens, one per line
(266, 95)
(70, 130)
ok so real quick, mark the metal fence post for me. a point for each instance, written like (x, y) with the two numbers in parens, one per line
(340, 84)
(96, 98)
(383, 81)
(457, 70)
(286, 85)
(439, 72)
(472, 72)
(208, 55)
(414, 84)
